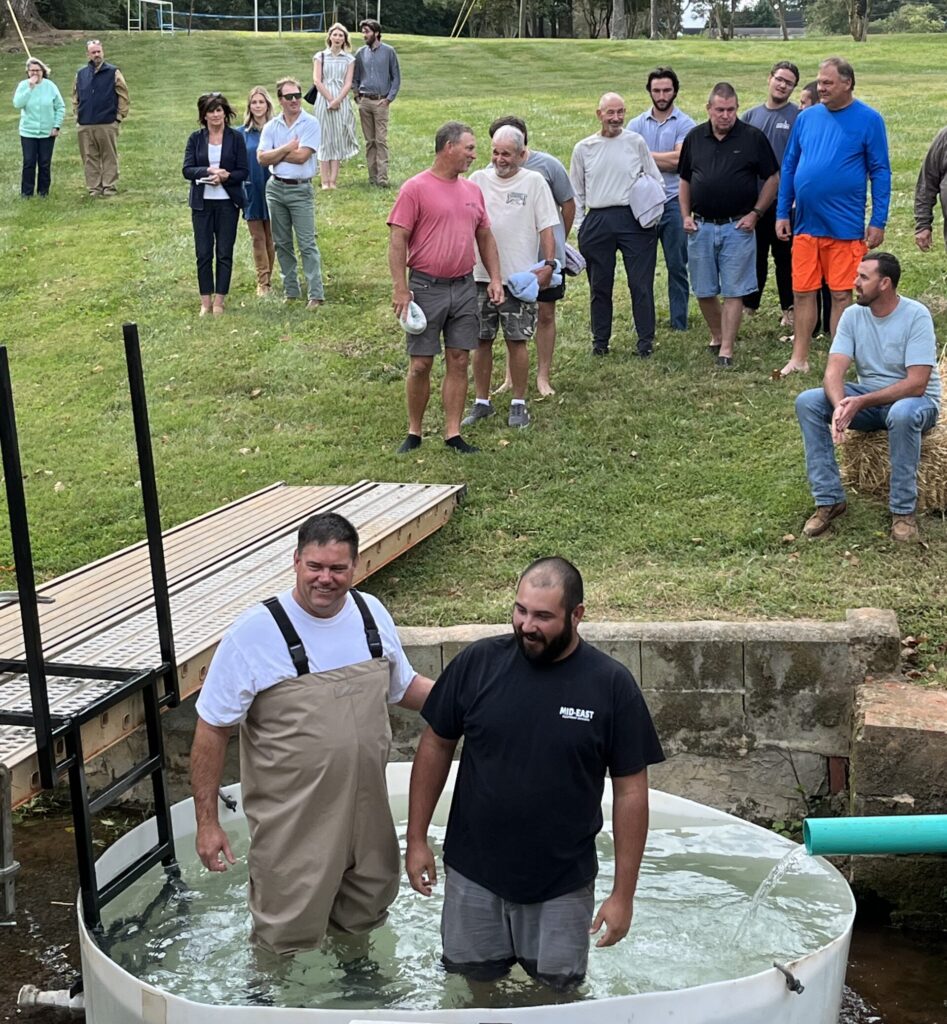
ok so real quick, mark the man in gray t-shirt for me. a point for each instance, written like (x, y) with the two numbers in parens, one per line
(891, 341)
(557, 178)
(775, 119)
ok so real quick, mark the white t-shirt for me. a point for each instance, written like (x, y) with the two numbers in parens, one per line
(518, 208)
(213, 159)
(253, 655)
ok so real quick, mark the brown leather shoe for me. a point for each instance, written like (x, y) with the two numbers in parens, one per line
(904, 528)
(821, 519)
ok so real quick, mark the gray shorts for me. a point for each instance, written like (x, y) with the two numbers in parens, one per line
(518, 318)
(450, 306)
(484, 935)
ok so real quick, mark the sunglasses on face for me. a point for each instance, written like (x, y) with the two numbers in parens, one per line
(291, 96)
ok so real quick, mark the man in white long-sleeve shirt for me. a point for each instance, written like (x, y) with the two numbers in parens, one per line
(604, 167)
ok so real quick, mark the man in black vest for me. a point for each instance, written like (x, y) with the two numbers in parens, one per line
(100, 103)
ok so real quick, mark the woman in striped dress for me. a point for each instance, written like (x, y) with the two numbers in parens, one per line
(332, 72)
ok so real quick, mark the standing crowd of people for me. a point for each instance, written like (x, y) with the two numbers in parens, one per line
(471, 256)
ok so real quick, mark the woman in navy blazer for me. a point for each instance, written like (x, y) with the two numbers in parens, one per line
(215, 163)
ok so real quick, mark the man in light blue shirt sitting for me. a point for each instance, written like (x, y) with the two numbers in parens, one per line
(891, 341)
(664, 128)
(288, 147)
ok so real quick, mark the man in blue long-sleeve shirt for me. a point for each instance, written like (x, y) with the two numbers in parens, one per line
(835, 148)
(377, 79)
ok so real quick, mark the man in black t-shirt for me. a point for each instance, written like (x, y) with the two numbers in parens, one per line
(544, 717)
(723, 162)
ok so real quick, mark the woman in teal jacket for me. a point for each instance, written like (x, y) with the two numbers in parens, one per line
(41, 112)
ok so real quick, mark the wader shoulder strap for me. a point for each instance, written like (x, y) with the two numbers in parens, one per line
(372, 636)
(296, 650)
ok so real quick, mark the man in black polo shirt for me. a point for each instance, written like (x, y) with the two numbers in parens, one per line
(544, 716)
(722, 164)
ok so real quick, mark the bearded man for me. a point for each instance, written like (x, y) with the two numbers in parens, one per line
(544, 716)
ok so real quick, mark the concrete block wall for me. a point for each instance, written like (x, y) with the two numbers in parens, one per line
(748, 712)
(899, 766)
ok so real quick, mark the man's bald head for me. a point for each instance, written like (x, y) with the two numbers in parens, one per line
(556, 573)
(611, 115)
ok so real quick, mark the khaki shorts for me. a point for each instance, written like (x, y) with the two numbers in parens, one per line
(517, 318)
(484, 935)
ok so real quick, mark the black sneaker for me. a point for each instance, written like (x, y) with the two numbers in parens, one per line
(600, 350)
(409, 444)
(460, 445)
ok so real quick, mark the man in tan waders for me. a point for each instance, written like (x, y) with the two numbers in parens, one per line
(308, 676)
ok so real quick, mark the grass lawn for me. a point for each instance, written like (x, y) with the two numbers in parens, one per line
(678, 491)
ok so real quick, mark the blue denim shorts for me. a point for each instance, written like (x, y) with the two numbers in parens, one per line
(721, 260)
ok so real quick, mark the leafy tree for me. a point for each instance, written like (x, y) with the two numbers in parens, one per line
(911, 18)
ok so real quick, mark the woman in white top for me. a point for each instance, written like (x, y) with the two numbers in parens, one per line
(215, 163)
(332, 72)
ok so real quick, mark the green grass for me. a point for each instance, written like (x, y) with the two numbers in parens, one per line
(673, 488)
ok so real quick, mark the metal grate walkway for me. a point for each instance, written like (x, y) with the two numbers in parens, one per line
(217, 566)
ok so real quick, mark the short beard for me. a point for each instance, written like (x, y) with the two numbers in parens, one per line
(553, 648)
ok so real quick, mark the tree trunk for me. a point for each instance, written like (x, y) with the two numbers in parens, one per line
(653, 26)
(26, 14)
(859, 13)
(618, 27)
(780, 12)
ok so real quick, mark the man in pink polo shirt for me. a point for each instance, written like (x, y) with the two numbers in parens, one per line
(434, 224)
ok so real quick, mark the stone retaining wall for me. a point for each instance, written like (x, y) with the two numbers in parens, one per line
(748, 712)
(755, 717)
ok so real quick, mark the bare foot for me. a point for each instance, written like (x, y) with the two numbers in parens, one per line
(505, 386)
(792, 367)
(218, 310)
(325, 187)
(544, 388)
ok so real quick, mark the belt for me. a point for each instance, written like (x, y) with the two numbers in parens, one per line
(440, 280)
(291, 181)
(718, 220)
(371, 96)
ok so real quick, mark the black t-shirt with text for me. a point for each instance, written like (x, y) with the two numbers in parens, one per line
(537, 743)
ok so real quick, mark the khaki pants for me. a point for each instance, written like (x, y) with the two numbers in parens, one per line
(264, 252)
(98, 147)
(374, 117)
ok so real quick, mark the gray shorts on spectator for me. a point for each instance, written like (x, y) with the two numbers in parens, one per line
(484, 935)
(450, 306)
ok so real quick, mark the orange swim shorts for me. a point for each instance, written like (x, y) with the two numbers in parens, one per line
(830, 259)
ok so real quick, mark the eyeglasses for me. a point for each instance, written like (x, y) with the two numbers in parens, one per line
(291, 96)
(784, 81)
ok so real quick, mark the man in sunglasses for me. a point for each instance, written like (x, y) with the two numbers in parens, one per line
(288, 146)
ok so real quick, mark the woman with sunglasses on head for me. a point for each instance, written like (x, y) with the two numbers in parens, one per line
(215, 163)
(42, 110)
(255, 213)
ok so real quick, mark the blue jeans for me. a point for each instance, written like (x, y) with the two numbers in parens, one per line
(674, 243)
(905, 421)
(722, 260)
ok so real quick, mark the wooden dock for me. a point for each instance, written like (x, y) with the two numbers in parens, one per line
(218, 565)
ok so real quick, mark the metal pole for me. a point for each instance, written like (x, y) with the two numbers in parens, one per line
(256, 15)
(25, 581)
(149, 494)
(279, 18)
(16, 25)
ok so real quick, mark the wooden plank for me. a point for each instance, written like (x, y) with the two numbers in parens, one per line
(122, 583)
(390, 518)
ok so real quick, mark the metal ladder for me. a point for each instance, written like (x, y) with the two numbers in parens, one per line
(61, 733)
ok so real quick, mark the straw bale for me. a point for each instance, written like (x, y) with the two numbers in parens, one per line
(865, 461)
